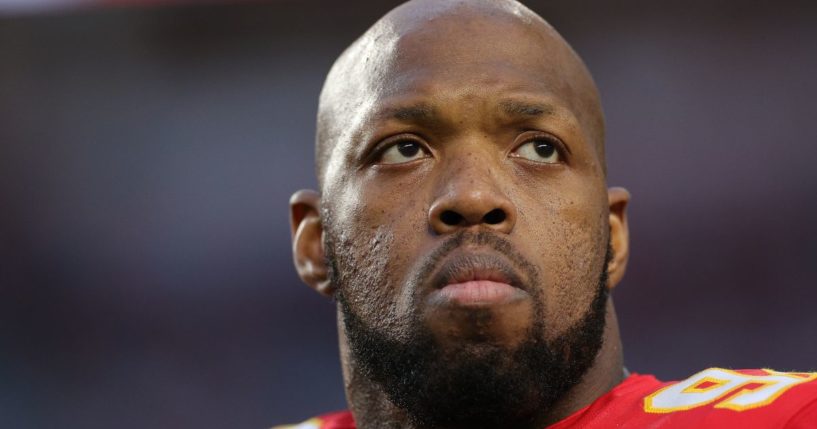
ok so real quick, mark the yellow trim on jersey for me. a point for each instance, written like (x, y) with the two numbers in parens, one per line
(728, 399)
(731, 405)
(717, 382)
(649, 400)
(314, 423)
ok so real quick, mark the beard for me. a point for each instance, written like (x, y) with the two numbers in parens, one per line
(471, 385)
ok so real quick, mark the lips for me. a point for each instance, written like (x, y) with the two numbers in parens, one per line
(476, 280)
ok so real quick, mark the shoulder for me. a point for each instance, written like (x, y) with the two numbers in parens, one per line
(338, 420)
(713, 398)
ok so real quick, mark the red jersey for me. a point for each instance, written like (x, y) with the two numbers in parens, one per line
(714, 398)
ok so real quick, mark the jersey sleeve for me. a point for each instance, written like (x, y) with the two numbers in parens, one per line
(805, 418)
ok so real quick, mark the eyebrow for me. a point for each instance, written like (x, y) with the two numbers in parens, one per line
(424, 113)
(521, 108)
(412, 113)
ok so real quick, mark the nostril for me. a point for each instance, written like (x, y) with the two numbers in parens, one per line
(451, 218)
(494, 217)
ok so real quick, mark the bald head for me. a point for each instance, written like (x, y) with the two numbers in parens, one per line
(423, 43)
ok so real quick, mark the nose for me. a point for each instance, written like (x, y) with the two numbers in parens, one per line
(472, 199)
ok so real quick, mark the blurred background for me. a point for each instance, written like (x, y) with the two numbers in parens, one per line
(148, 150)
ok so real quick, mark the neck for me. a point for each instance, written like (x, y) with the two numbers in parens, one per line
(373, 410)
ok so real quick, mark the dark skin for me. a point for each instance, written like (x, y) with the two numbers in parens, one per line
(448, 118)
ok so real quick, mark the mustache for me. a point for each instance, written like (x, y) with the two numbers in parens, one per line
(430, 268)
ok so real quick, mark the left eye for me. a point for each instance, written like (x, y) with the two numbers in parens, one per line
(402, 152)
(539, 150)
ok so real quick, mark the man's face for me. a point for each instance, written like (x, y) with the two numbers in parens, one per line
(466, 214)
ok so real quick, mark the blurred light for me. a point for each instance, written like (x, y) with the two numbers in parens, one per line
(39, 5)
(8, 7)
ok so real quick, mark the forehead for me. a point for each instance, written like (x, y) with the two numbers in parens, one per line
(456, 50)
(458, 97)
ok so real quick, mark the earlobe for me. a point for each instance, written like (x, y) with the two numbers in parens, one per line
(307, 241)
(619, 235)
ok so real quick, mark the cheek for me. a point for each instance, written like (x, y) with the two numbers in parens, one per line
(362, 261)
(377, 235)
(570, 238)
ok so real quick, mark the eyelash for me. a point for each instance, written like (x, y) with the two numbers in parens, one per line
(390, 142)
(561, 148)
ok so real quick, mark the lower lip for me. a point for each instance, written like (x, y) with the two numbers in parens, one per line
(478, 293)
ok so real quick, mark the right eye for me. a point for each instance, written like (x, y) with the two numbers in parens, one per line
(402, 152)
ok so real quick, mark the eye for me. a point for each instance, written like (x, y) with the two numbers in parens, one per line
(540, 150)
(402, 152)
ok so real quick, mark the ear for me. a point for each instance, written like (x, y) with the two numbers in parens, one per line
(307, 240)
(619, 235)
